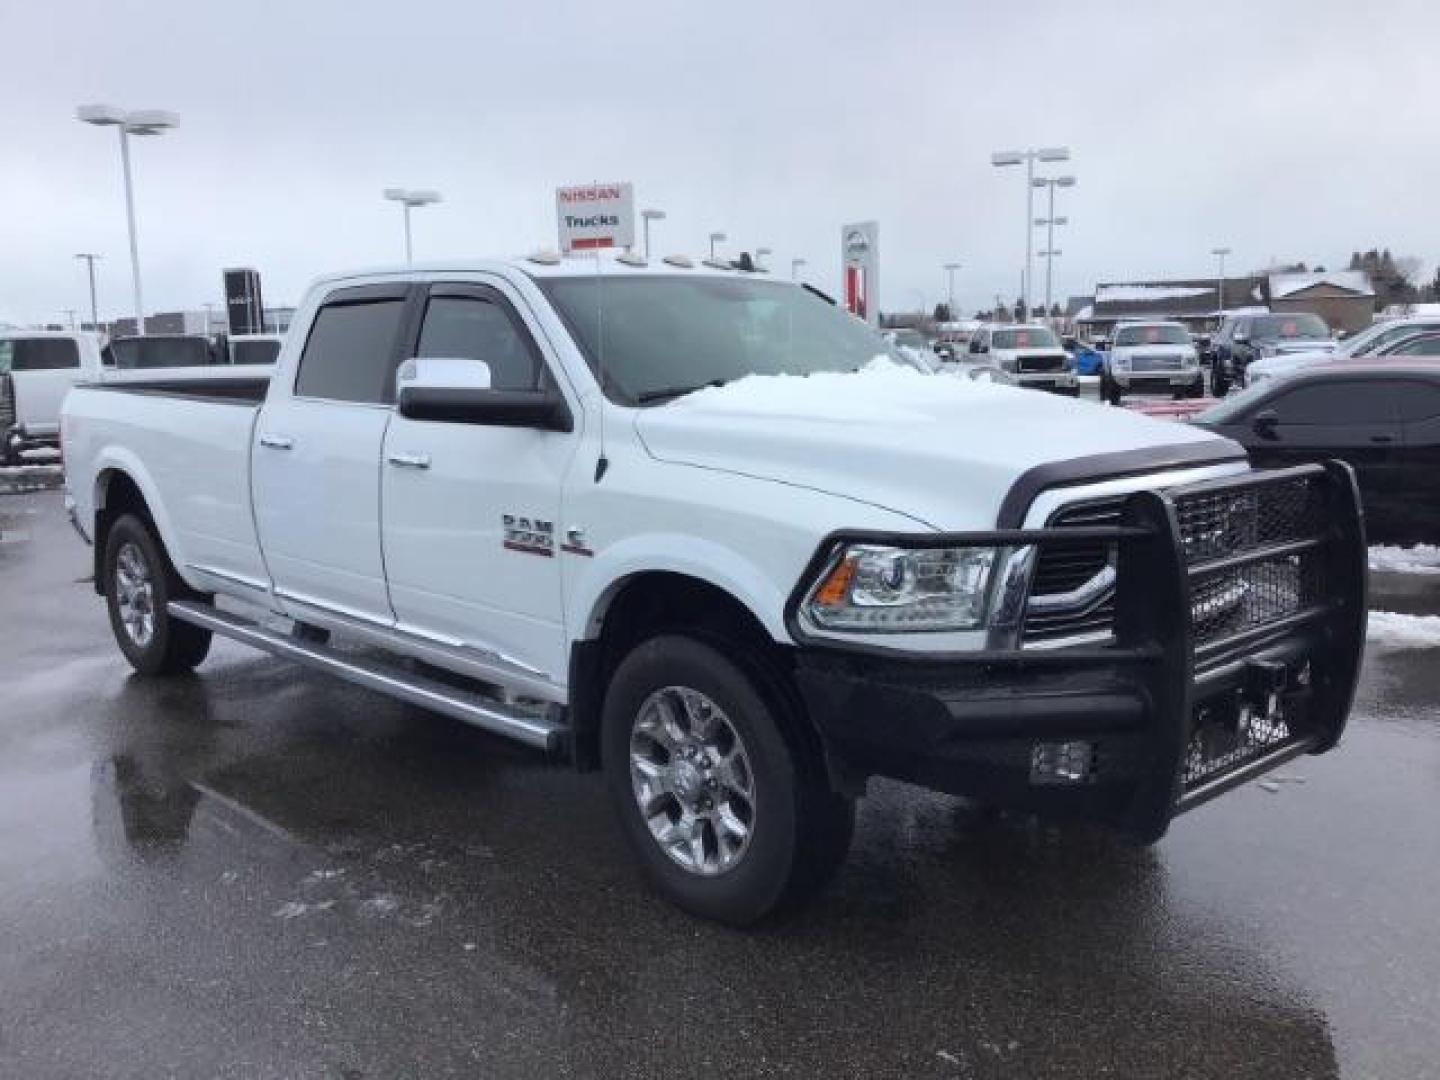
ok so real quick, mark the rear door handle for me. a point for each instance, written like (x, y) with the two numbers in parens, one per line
(410, 461)
(277, 442)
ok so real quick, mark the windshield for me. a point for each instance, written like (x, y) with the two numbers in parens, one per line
(1024, 337)
(160, 352)
(663, 336)
(912, 338)
(1151, 335)
(1301, 325)
(1228, 408)
(254, 352)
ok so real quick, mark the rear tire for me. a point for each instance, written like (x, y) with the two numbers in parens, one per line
(738, 818)
(1109, 390)
(140, 582)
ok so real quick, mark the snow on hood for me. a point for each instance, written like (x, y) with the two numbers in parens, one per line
(943, 449)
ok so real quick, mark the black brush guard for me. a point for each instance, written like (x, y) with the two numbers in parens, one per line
(1240, 610)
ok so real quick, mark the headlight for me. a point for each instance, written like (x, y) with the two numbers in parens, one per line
(1190, 359)
(1121, 362)
(874, 589)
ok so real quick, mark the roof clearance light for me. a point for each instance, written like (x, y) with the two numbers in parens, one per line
(682, 261)
(631, 259)
(716, 264)
(544, 258)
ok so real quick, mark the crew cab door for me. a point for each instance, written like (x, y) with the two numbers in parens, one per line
(472, 528)
(316, 457)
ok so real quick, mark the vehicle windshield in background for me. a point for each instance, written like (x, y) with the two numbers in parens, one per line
(1029, 337)
(1232, 404)
(38, 354)
(1151, 335)
(1301, 325)
(665, 336)
(160, 352)
(913, 338)
(254, 352)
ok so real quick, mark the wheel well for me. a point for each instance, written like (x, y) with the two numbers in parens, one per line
(659, 602)
(115, 496)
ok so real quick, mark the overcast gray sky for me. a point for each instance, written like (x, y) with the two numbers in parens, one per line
(1287, 130)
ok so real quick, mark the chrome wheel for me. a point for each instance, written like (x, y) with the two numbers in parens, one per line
(135, 594)
(692, 781)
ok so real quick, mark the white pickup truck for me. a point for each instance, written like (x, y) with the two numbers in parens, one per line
(682, 525)
(37, 369)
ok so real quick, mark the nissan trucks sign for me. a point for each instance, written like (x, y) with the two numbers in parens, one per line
(595, 216)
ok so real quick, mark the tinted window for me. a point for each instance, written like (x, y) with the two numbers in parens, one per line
(1331, 402)
(160, 352)
(1301, 325)
(350, 354)
(1026, 337)
(480, 330)
(254, 352)
(1429, 345)
(1420, 401)
(38, 354)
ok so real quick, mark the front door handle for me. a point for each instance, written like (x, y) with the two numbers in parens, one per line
(277, 442)
(410, 461)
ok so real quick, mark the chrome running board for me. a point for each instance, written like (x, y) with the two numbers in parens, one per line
(391, 680)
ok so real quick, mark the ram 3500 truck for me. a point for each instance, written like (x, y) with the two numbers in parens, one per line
(37, 369)
(682, 525)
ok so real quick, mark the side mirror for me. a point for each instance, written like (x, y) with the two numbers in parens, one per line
(456, 390)
(1265, 423)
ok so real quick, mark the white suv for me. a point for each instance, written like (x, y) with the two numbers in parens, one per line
(1151, 357)
(1032, 354)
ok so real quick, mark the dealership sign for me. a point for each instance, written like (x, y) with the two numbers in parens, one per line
(595, 216)
(859, 258)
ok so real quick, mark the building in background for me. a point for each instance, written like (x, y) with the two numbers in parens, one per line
(1345, 299)
(1192, 301)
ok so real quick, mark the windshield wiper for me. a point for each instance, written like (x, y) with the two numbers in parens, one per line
(649, 397)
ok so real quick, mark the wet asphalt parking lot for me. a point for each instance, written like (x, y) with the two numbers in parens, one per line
(261, 872)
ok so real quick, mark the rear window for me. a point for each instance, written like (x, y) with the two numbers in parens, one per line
(138, 354)
(1151, 335)
(38, 354)
(1029, 337)
(254, 352)
(350, 354)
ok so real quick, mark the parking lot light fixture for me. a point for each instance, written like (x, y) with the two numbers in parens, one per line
(127, 123)
(950, 269)
(1004, 158)
(716, 238)
(410, 199)
(646, 217)
(1049, 222)
(1220, 253)
(90, 257)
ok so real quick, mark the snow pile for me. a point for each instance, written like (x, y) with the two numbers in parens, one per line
(1420, 559)
(1130, 294)
(878, 391)
(1391, 630)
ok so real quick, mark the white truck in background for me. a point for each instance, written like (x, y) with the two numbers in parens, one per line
(680, 524)
(37, 369)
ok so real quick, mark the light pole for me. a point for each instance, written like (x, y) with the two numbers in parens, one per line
(950, 269)
(409, 199)
(647, 216)
(1051, 182)
(139, 122)
(795, 265)
(715, 238)
(1220, 253)
(90, 257)
(1028, 158)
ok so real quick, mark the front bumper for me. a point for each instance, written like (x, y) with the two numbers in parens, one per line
(1057, 383)
(1168, 715)
(1157, 382)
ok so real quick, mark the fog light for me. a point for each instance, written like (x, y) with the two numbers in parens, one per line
(1062, 763)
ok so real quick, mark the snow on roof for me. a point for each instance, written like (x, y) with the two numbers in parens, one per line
(1420, 559)
(1283, 285)
(1389, 629)
(1411, 311)
(1085, 314)
(1130, 294)
(876, 391)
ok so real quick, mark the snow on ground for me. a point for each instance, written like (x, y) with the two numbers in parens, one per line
(1420, 559)
(1392, 630)
(18, 478)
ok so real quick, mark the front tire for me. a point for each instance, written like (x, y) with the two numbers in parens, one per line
(716, 790)
(140, 582)
(1109, 390)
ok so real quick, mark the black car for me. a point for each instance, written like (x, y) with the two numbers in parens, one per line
(1381, 416)
(1243, 338)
